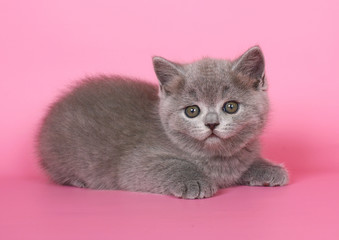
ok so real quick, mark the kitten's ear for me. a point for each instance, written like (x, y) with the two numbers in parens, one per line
(169, 74)
(252, 65)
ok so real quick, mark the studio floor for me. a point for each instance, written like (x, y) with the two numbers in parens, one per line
(34, 208)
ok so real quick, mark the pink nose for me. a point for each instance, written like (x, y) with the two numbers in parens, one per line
(212, 125)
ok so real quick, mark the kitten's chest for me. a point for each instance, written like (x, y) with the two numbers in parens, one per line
(225, 171)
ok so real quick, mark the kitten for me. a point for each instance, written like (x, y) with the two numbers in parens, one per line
(195, 134)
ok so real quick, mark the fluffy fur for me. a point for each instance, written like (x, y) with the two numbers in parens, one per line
(112, 132)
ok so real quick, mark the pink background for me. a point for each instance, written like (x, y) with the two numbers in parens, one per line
(47, 45)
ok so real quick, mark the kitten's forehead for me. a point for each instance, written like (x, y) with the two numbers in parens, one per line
(208, 79)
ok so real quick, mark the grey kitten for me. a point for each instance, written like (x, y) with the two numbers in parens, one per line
(195, 134)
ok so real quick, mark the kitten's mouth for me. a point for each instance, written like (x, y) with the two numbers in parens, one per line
(212, 141)
(212, 137)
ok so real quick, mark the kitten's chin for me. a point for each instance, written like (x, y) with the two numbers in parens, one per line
(213, 143)
(218, 143)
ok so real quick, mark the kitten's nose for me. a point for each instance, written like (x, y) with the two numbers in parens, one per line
(212, 125)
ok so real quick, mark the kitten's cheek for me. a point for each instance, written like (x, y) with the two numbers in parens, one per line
(199, 133)
(178, 126)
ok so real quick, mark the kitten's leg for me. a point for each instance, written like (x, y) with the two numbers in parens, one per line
(264, 173)
(171, 177)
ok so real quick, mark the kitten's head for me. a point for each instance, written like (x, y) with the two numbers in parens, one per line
(213, 107)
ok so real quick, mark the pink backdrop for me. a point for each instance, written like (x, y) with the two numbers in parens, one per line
(48, 45)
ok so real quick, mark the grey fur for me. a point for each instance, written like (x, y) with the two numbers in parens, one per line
(112, 132)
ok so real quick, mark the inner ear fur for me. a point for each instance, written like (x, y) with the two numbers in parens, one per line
(251, 66)
(169, 74)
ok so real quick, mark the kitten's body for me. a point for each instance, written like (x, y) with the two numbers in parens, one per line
(117, 133)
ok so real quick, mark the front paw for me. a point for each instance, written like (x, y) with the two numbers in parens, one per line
(267, 175)
(192, 189)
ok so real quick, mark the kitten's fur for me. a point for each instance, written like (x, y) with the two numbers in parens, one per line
(120, 133)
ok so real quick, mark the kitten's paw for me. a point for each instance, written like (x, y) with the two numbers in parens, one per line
(193, 189)
(266, 175)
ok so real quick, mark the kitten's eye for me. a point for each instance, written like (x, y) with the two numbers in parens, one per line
(192, 111)
(230, 107)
